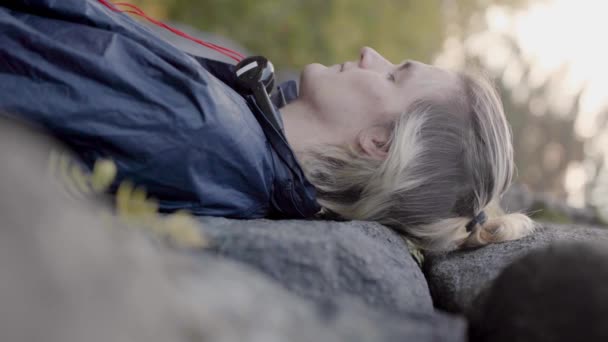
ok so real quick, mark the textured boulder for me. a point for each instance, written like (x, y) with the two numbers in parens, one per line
(233, 302)
(70, 273)
(324, 260)
(557, 293)
(457, 278)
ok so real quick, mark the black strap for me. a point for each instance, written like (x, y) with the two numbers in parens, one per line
(479, 219)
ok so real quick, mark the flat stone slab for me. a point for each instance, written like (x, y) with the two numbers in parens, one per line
(326, 260)
(456, 278)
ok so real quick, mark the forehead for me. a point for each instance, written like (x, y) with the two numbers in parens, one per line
(420, 77)
(430, 73)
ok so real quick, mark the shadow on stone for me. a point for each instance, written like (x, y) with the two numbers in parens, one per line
(557, 293)
(457, 278)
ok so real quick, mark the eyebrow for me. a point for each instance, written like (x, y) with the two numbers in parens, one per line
(405, 65)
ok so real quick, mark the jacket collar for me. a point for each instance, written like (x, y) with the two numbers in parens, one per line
(292, 195)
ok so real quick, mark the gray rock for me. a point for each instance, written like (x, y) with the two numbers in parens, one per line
(68, 273)
(457, 278)
(323, 260)
(65, 276)
(556, 293)
(236, 303)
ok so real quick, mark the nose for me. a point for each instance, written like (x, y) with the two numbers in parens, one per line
(371, 59)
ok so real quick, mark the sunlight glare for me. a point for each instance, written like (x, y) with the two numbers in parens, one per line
(569, 32)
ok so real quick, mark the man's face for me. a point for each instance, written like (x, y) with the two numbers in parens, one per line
(369, 91)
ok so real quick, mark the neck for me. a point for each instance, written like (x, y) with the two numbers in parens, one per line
(303, 128)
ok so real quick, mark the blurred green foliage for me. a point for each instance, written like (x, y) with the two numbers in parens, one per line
(293, 33)
(541, 212)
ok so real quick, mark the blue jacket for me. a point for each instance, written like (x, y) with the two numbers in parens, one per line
(107, 87)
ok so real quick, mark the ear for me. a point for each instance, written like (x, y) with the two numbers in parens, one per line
(373, 142)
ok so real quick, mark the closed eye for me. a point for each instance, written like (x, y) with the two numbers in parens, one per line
(404, 66)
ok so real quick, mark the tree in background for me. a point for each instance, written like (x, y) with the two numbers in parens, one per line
(544, 138)
(551, 157)
(293, 33)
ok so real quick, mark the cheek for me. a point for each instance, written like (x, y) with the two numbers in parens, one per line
(314, 75)
(373, 95)
(314, 82)
(352, 94)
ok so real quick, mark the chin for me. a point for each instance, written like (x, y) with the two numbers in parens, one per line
(312, 69)
(310, 75)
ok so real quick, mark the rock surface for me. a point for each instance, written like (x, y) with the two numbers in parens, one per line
(457, 278)
(325, 260)
(70, 274)
(557, 293)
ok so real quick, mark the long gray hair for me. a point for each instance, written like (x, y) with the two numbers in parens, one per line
(449, 158)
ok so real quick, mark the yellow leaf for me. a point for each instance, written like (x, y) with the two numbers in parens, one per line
(104, 172)
(183, 230)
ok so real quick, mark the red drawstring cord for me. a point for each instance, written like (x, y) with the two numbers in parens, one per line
(137, 11)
